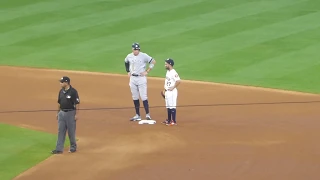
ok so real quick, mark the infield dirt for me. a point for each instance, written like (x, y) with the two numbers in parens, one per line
(233, 135)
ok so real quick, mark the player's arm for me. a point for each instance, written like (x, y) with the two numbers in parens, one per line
(58, 111)
(151, 62)
(127, 64)
(76, 101)
(177, 83)
(177, 80)
(58, 105)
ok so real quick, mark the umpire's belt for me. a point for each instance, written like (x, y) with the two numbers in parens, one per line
(67, 110)
(136, 75)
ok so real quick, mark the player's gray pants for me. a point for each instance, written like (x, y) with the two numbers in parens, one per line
(66, 122)
(138, 86)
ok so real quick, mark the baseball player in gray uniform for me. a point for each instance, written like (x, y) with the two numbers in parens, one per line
(135, 64)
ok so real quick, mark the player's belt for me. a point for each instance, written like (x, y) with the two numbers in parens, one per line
(67, 110)
(135, 75)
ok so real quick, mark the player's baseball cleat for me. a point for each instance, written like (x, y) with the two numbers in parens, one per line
(165, 122)
(56, 152)
(136, 118)
(171, 124)
(148, 117)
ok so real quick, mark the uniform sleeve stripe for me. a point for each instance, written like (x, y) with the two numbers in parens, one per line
(150, 60)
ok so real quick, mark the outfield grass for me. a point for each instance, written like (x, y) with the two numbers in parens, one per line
(21, 149)
(270, 43)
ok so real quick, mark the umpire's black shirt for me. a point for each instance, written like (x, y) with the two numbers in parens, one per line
(68, 98)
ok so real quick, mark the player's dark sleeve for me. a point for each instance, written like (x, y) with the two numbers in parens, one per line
(127, 64)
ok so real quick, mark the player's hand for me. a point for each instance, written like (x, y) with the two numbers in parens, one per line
(129, 74)
(144, 73)
(75, 117)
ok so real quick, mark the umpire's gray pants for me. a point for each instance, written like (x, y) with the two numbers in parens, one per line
(66, 122)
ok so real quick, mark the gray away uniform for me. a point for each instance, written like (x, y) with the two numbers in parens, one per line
(138, 83)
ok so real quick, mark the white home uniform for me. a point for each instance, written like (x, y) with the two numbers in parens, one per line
(171, 96)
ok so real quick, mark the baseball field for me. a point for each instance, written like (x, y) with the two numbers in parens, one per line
(248, 105)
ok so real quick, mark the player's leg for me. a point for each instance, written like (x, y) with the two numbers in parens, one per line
(168, 95)
(135, 96)
(171, 105)
(174, 105)
(143, 89)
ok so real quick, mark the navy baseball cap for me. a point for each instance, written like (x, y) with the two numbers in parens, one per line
(136, 46)
(170, 61)
(65, 79)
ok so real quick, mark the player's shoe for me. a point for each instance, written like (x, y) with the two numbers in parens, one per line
(136, 118)
(56, 152)
(165, 122)
(171, 124)
(148, 117)
(72, 151)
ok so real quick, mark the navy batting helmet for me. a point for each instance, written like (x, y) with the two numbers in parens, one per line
(136, 46)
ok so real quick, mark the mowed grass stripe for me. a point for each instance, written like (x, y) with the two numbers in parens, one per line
(296, 70)
(214, 31)
(7, 4)
(283, 64)
(223, 66)
(39, 8)
(67, 11)
(95, 19)
(249, 38)
(307, 79)
(85, 34)
(92, 48)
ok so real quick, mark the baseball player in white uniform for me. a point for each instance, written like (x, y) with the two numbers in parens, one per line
(135, 64)
(171, 83)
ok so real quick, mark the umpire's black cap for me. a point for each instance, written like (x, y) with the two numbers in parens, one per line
(170, 61)
(136, 46)
(65, 79)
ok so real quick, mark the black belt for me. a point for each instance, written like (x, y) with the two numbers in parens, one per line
(136, 75)
(67, 110)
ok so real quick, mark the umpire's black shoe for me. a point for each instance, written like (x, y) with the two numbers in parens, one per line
(56, 152)
(72, 151)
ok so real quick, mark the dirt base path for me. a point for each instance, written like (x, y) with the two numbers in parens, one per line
(248, 141)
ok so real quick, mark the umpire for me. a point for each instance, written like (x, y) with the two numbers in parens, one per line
(68, 100)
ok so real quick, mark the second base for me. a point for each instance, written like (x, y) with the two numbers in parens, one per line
(147, 122)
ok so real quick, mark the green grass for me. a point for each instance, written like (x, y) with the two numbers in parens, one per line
(269, 43)
(21, 149)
